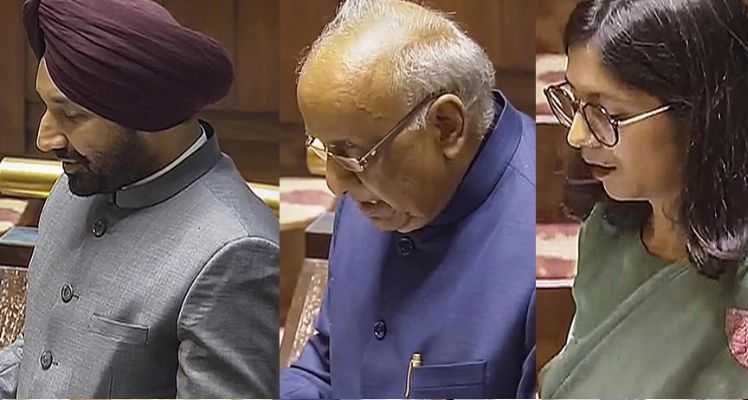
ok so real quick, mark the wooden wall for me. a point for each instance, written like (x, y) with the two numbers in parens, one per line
(551, 17)
(12, 78)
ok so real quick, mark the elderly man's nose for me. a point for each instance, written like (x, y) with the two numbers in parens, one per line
(579, 134)
(50, 137)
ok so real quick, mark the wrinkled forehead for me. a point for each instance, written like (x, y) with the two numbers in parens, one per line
(334, 98)
(356, 64)
(347, 86)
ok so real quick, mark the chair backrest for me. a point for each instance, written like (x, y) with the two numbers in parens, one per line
(305, 305)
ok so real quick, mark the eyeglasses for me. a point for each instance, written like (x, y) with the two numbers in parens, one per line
(604, 127)
(359, 164)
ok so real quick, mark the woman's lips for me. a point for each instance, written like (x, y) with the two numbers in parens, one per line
(600, 171)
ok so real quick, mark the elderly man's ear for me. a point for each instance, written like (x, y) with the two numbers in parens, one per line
(447, 116)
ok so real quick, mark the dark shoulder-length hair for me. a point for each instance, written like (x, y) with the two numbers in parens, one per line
(693, 54)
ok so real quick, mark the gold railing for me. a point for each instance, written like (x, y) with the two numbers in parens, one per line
(28, 177)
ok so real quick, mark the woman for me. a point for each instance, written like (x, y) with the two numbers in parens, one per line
(656, 99)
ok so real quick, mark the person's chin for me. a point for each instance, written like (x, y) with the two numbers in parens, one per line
(402, 223)
(82, 191)
(84, 184)
(385, 225)
(618, 192)
(413, 224)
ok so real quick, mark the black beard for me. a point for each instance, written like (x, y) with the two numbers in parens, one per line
(107, 173)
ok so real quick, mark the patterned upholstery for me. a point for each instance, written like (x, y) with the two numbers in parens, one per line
(305, 306)
(12, 303)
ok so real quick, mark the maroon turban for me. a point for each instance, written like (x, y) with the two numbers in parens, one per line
(128, 61)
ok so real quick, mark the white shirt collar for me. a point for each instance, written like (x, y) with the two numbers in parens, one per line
(195, 146)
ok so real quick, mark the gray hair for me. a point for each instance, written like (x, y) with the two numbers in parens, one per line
(440, 58)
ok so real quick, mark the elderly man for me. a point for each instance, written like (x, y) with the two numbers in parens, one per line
(155, 272)
(432, 272)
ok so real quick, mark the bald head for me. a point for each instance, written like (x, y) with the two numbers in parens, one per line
(351, 65)
(397, 53)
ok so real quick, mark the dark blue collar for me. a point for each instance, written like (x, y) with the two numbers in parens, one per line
(174, 181)
(487, 168)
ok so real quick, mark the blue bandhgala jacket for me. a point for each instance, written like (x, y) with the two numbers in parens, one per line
(459, 292)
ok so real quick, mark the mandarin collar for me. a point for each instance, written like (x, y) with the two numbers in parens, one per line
(174, 181)
(493, 158)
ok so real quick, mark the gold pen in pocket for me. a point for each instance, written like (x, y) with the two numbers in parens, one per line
(415, 362)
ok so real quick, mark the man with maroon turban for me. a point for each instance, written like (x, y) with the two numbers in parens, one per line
(156, 269)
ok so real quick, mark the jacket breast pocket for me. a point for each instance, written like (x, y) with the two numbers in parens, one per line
(464, 380)
(120, 332)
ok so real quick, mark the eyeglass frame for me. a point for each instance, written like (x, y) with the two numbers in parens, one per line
(361, 163)
(615, 123)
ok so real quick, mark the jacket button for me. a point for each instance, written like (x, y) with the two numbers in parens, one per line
(46, 360)
(99, 228)
(66, 293)
(380, 330)
(405, 245)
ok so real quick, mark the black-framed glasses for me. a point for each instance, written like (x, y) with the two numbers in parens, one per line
(604, 127)
(359, 164)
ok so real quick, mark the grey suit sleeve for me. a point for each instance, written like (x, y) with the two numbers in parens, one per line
(10, 364)
(228, 325)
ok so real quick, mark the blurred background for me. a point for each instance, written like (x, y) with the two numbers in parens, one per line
(557, 228)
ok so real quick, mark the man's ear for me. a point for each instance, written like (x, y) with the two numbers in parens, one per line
(447, 116)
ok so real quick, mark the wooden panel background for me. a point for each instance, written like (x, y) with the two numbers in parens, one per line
(12, 43)
(550, 21)
(258, 55)
(301, 23)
